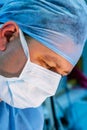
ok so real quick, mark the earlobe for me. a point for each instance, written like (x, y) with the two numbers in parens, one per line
(8, 32)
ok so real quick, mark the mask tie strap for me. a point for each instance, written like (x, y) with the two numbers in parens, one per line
(24, 44)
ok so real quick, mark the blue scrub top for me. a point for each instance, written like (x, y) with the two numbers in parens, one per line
(20, 119)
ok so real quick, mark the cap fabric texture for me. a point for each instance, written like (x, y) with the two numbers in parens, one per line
(60, 25)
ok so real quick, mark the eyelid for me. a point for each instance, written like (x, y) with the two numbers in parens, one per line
(55, 67)
(52, 68)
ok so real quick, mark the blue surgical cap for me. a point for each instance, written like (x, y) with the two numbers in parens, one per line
(60, 25)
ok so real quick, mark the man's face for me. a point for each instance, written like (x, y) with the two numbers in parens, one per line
(13, 59)
(45, 57)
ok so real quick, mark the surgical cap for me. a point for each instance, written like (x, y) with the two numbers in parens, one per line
(60, 25)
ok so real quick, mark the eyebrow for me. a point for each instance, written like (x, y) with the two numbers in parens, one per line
(54, 59)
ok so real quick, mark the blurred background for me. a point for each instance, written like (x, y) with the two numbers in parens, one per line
(67, 110)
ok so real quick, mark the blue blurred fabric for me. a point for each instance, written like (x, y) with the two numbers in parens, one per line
(78, 114)
(20, 119)
(61, 25)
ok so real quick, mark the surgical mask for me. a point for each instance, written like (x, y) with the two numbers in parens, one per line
(32, 87)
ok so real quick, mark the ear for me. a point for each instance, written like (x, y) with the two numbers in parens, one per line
(8, 32)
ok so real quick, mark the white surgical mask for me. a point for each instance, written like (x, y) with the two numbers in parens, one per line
(32, 87)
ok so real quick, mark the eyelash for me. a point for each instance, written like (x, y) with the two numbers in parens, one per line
(49, 67)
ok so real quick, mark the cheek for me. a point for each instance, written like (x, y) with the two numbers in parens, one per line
(35, 54)
(33, 57)
(3, 44)
(37, 59)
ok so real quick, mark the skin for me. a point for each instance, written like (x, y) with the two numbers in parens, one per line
(11, 50)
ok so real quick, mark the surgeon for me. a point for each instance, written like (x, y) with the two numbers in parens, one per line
(40, 41)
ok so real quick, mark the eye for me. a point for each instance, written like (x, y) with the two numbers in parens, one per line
(50, 67)
(47, 66)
